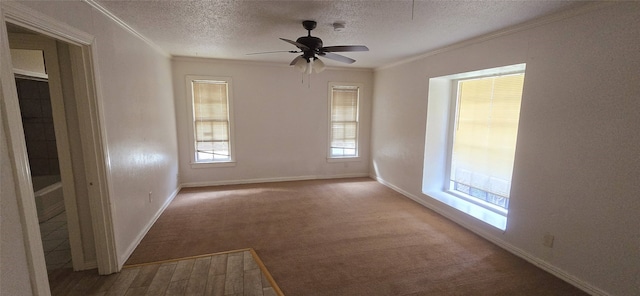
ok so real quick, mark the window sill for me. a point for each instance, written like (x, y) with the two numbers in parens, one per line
(343, 159)
(203, 165)
(497, 220)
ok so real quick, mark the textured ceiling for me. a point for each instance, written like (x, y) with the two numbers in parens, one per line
(393, 30)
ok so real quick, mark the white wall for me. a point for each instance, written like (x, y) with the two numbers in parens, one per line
(135, 89)
(281, 124)
(576, 167)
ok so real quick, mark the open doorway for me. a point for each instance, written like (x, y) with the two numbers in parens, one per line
(49, 117)
(79, 142)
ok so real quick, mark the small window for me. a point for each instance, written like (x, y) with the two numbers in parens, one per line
(484, 137)
(343, 121)
(211, 115)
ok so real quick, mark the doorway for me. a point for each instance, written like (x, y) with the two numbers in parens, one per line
(84, 170)
(51, 137)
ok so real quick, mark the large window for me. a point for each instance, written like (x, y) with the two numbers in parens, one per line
(470, 141)
(211, 114)
(484, 137)
(343, 122)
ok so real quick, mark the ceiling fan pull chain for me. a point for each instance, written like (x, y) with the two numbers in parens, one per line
(413, 7)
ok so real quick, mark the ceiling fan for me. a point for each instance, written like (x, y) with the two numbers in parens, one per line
(311, 49)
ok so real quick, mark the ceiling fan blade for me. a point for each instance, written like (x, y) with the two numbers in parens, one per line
(277, 51)
(295, 60)
(337, 57)
(343, 48)
(299, 45)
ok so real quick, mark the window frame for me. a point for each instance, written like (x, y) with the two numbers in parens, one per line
(440, 128)
(191, 126)
(356, 157)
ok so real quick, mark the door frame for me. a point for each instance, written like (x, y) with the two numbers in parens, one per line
(89, 100)
(48, 46)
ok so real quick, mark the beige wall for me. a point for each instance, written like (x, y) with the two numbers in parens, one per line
(576, 167)
(281, 124)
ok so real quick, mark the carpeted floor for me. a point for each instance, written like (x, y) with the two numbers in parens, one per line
(342, 237)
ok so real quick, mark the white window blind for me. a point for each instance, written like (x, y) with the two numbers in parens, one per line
(344, 121)
(211, 120)
(488, 111)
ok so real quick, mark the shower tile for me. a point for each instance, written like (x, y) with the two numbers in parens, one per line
(34, 131)
(31, 108)
(49, 132)
(37, 149)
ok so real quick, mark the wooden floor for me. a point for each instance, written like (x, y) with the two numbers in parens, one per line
(231, 273)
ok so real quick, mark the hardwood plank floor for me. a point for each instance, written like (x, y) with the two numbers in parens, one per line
(201, 275)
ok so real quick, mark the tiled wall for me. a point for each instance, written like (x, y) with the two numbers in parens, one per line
(37, 119)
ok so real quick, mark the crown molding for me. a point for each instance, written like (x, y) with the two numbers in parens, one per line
(125, 26)
(565, 14)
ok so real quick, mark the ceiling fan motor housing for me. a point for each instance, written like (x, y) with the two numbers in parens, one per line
(313, 43)
(311, 46)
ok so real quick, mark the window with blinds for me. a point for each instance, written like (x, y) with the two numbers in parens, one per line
(343, 139)
(484, 139)
(211, 124)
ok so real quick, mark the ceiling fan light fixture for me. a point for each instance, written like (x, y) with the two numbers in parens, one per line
(309, 68)
(318, 66)
(301, 65)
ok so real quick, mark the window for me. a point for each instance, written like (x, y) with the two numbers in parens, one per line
(470, 141)
(211, 117)
(484, 137)
(343, 121)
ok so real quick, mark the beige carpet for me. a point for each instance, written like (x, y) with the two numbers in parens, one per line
(342, 237)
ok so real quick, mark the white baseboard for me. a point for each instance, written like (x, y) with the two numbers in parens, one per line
(558, 272)
(125, 256)
(270, 180)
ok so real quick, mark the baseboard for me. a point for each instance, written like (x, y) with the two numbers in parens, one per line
(125, 256)
(558, 272)
(271, 180)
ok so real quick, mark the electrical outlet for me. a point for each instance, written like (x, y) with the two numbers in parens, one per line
(547, 240)
(150, 196)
